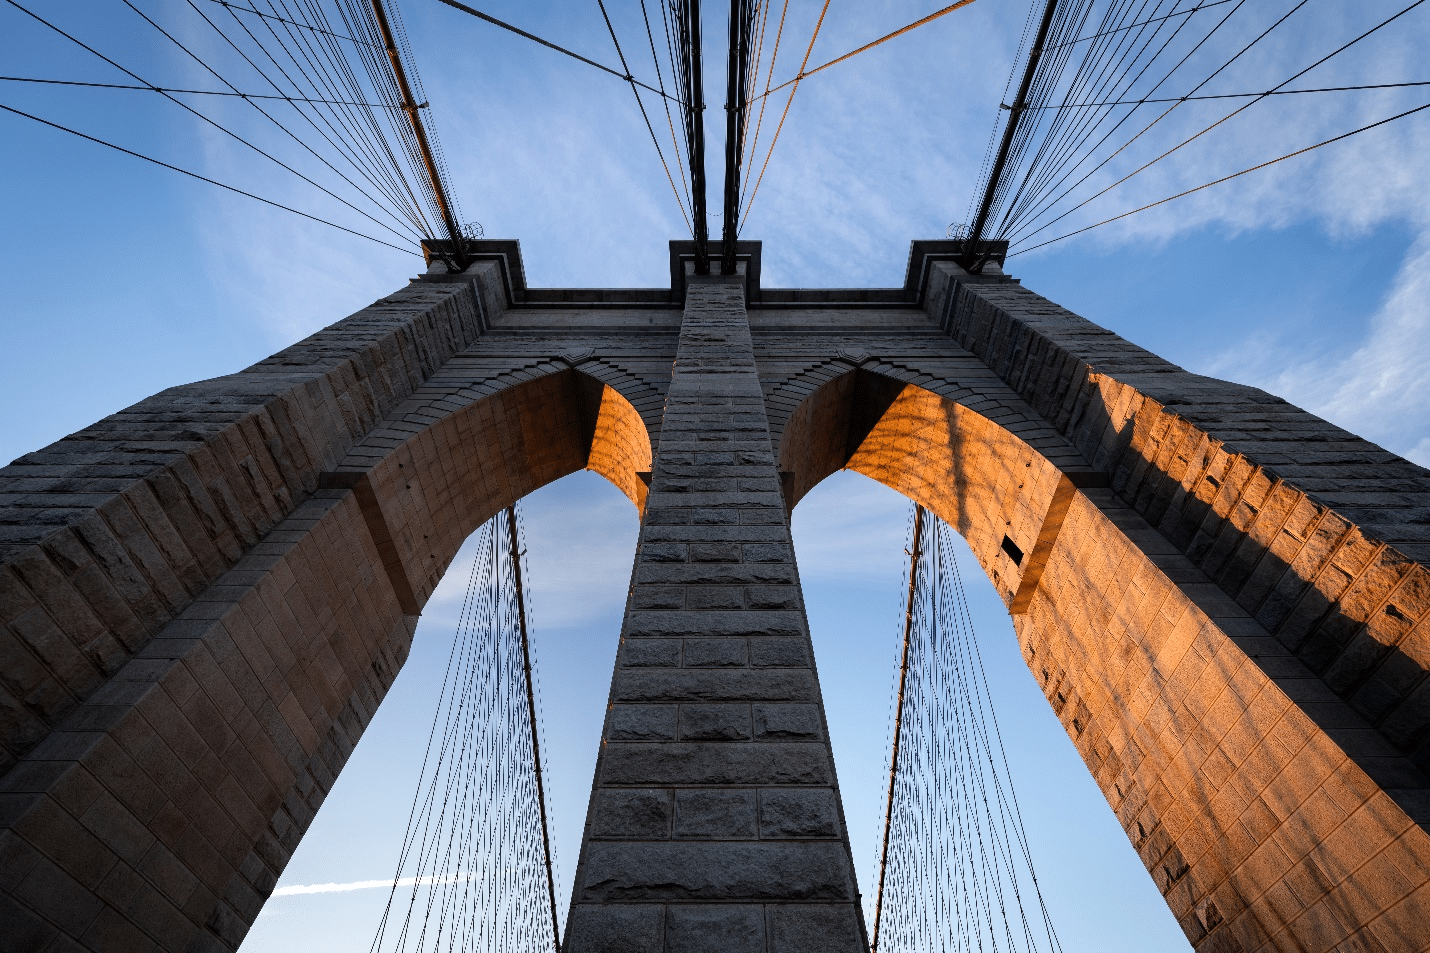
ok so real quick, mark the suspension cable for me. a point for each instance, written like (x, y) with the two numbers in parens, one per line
(270, 16)
(1228, 178)
(869, 46)
(1238, 110)
(201, 178)
(1259, 93)
(409, 106)
(957, 868)
(195, 92)
(454, 4)
(189, 109)
(655, 141)
(516, 554)
(750, 202)
(914, 556)
(1141, 23)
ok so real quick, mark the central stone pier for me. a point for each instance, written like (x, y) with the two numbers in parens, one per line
(715, 821)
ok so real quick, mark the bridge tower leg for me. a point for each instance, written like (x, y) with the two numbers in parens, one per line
(715, 819)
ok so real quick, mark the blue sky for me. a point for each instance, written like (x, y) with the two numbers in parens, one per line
(1309, 279)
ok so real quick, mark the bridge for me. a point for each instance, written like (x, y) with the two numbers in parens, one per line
(208, 594)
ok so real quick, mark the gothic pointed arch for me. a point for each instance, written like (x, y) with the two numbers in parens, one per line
(1192, 719)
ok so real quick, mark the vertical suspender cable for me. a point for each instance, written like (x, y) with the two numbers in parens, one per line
(1015, 111)
(737, 107)
(914, 554)
(409, 106)
(686, 14)
(531, 711)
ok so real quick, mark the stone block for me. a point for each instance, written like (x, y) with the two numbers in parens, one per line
(650, 653)
(716, 653)
(714, 722)
(713, 597)
(773, 597)
(768, 553)
(642, 723)
(663, 553)
(628, 928)
(724, 872)
(655, 624)
(703, 685)
(659, 597)
(710, 763)
(798, 813)
(715, 553)
(787, 723)
(779, 652)
(816, 928)
(632, 815)
(715, 574)
(712, 928)
(715, 815)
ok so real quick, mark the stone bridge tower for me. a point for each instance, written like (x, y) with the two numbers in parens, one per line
(206, 596)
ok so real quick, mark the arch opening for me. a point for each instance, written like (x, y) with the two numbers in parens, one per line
(580, 536)
(850, 535)
(984, 481)
(1169, 690)
(431, 492)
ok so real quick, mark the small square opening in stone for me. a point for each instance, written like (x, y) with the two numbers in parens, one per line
(1014, 553)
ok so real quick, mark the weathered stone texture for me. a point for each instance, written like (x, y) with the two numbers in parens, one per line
(205, 597)
(715, 700)
(108, 535)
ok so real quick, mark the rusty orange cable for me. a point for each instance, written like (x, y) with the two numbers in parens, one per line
(869, 46)
(764, 100)
(803, 74)
(783, 116)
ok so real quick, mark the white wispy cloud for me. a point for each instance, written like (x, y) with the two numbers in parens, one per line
(298, 890)
(1376, 389)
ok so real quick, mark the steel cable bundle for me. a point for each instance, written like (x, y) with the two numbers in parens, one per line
(318, 74)
(475, 852)
(1103, 96)
(957, 870)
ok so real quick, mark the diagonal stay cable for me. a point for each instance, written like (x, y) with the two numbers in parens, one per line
(337, 72)
(319, 51)
(187, 108)
(1186, 11)
(774, 140)
(1106, 63)
(1227, 178)
(270, 16)
(1086, 122)
(266, 78)
(1240, 109)
(1269, 92)
(201, 178)
(193, 92)
(764, 100)
(665, 100)
(655, 141)
(1043, 203)
(536, 39)
(869, 46)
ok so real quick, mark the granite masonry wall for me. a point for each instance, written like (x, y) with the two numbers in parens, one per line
(205, 597)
